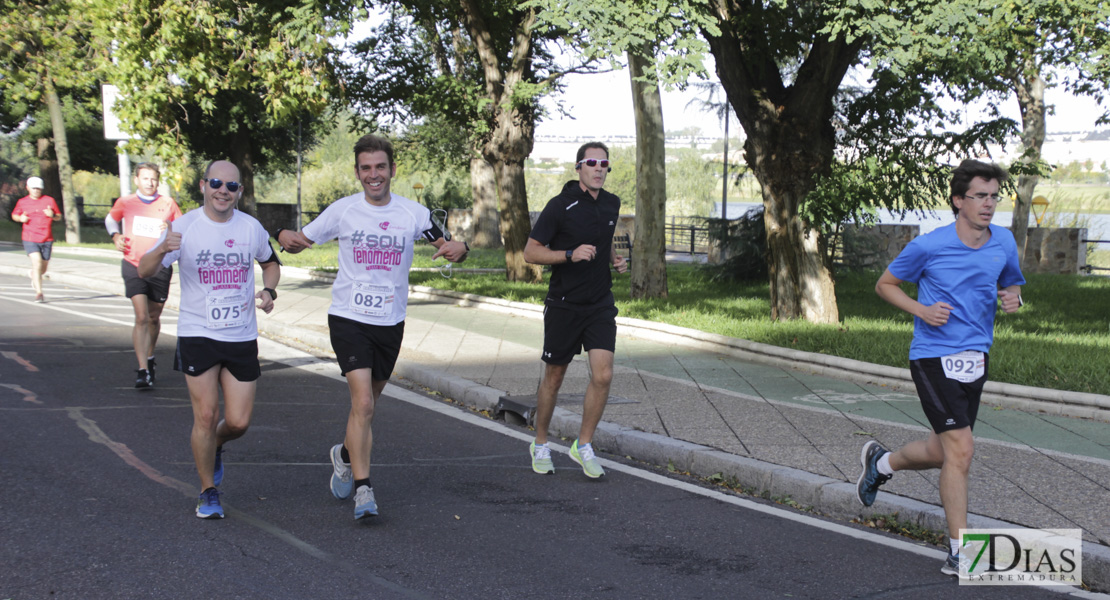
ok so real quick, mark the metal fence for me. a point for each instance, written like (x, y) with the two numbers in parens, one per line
(1091, 268)
(687, 235)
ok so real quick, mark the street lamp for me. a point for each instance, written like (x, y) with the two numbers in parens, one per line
(1040, 207)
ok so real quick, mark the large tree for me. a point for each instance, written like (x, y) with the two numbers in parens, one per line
(224, 78)
(45, 50)
(822, 145)
(484, 65)
(1027, 48)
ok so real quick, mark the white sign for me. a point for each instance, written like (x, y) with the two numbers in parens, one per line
(110, 94)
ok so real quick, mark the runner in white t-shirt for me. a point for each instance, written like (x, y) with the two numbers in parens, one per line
(215, 247)
(376, 231)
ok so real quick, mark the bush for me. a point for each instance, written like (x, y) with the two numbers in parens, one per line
(744, 242)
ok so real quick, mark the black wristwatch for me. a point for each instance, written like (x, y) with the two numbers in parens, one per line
(273, 293)
(569, 254)
(277, 234)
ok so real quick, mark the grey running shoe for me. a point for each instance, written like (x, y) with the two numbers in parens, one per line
(142, 379)
(365, 505)
(340, 474)
(952, 566)
(869, 481)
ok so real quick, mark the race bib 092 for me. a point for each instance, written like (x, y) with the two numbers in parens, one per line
(966, 366)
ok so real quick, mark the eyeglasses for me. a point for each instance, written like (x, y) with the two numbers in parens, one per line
(982, 197)
(593, 162)
(232, 186)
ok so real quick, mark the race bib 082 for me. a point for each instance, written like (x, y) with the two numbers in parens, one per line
(372, 300)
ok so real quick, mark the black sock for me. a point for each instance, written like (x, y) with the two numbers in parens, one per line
(362, 482)
(343, 454)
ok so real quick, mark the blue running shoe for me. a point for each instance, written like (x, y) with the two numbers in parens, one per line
(869, 481)
(208, 505)
(218, 471)
(365, 506)
(341, 480)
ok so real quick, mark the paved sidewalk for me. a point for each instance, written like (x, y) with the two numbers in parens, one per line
(697, 406)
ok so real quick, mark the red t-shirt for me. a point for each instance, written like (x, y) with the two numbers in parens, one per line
(143, 222)
(38, 229)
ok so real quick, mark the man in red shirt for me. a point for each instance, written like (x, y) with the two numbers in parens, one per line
(37, 213)
(144, 216)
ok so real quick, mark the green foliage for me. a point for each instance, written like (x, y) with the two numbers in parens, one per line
(250, 70)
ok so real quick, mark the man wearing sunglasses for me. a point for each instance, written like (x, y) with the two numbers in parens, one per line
(574, 234)
(216, 247)
(144, 215)
(377, 230)
(963, 272)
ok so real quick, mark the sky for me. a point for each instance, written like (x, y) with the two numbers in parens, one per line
(601, 105)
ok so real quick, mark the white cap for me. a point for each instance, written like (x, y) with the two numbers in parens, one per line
(34, 182)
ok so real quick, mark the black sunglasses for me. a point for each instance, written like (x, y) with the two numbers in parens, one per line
(232, 186)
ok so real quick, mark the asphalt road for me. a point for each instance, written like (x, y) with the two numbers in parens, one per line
(100, 491)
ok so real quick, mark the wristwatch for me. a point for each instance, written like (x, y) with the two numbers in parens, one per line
(273, 293)
(569, 254)
(277, 233)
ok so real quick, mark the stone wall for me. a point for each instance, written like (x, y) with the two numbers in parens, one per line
(873, 246)
(1055, 250)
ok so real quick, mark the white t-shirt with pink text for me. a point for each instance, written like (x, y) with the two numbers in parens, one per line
(216, 273)
(375, 255)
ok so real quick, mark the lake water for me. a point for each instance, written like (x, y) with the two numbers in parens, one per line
(1098, 227)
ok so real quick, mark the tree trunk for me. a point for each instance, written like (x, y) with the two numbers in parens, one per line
(513, 126)
(649, 272)
(485, 222)
(515, 223)
(788, 120)
(65, 169)
(1029, 87)
(48, 168)
(242, 157)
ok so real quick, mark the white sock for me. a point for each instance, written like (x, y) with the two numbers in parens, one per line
(954, 544)
(884, 465)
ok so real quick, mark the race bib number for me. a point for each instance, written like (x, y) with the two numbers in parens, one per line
(146, 227)
(225, 311)
(372, 300)
(966, 366)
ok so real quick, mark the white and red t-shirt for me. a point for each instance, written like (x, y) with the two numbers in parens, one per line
(216, 272)
(375, 255)
(39, 228)
(143, 222)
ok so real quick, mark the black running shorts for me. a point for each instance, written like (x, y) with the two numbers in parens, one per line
(195, 355)
(567, 332)
(948, 404)
(156, 287)
(361, 346)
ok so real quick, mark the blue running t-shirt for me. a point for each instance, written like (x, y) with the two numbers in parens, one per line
(947, 270)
